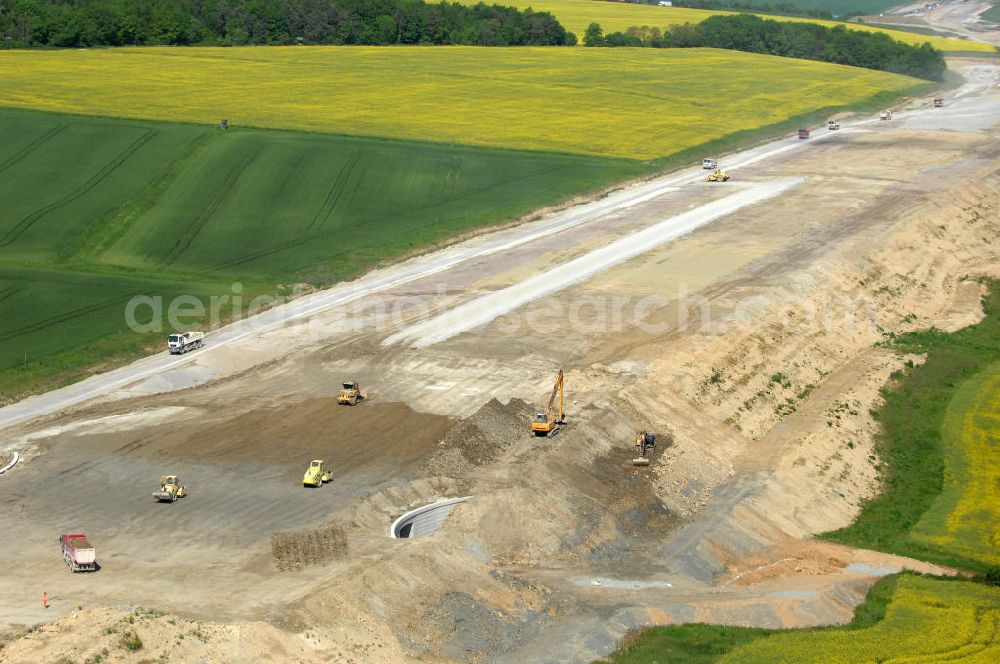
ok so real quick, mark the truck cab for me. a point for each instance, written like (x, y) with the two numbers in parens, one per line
(182, 342)
(709, 164)
(175, 342)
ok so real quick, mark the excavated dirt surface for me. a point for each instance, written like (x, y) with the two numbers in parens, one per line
(752, 347)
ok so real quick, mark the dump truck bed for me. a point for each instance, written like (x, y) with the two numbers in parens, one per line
(78, 543)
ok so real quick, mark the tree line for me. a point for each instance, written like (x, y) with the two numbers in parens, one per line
(79, 23)
(808, 41)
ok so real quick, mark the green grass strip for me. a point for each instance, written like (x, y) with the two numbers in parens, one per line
(912, 445)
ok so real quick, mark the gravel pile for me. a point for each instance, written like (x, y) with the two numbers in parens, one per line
(484, 435)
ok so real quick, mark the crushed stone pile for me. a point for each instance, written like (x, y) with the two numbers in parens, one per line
(484, 435)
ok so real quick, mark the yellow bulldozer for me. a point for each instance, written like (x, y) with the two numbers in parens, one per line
(545, 424)
(317, 474)
(350, 395)
(170, 489)
(717, 176)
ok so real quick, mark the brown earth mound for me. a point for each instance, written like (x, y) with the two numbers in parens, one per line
(482, 437)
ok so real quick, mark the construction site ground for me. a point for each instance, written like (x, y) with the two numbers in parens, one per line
(757, 361)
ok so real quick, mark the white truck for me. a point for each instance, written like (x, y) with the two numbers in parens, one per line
(78, 552)
(185, 341)
(709, 164)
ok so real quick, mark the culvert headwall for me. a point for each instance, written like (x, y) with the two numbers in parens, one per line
(424, 520)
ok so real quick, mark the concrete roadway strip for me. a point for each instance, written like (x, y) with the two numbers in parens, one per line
(379, 281)
(484, 309)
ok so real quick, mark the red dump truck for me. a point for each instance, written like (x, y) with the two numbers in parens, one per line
(803, 133)
(78, 552)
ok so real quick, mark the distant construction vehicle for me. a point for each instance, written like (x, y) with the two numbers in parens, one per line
(170, 489)
(645, 441)
(803, 133)
(350, 395)
(709, 164)
(717, 176)
(832, 125)
(938, 102)
(545, 424)
(317, 474)
(885, 115)
(181, 343)
(78, 552)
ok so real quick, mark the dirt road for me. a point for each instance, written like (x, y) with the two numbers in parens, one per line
(749, 345)
(243, 333)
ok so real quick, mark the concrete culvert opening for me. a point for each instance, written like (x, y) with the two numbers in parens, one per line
(425, 520)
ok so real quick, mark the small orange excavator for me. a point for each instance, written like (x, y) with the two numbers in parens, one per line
(544, 424)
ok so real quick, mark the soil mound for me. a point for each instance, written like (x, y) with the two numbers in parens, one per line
(483, 436)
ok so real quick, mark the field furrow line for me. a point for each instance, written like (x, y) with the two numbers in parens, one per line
(336, 190)
(471, 193)
(8, 293)
(31, 147)
(250, 257)
(184, 242)
(98, 177)
(61, 318)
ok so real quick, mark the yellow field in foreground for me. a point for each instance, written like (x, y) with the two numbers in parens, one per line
(928, 620)
(636, 103)
(576, 15)
(965, 518)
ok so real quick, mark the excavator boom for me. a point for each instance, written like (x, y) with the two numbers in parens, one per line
(544, 424)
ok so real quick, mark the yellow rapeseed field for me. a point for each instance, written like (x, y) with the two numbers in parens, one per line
(576, 15)
(928, 620)
(634, 103)
(965, 518)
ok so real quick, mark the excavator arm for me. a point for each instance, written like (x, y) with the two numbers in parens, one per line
(556, 389)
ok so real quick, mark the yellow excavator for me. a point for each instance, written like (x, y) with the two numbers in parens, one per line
(645, 441)
(717, 176)
(544, 424)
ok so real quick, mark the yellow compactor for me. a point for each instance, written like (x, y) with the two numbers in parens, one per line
(316, 474)
(170, 489)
